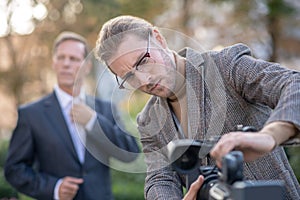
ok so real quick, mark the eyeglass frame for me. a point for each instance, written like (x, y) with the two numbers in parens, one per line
(135, 66)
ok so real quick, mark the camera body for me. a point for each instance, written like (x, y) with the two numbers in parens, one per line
(219, 184)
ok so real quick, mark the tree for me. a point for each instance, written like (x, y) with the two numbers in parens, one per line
(271, 14)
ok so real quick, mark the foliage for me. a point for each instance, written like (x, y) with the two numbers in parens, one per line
(294, 159)
(137, 103)
(5, 189)
(128, 186)
(272, 14)
(143, 8)
(279, 8)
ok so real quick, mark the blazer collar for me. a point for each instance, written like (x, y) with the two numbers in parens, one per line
(194, 58)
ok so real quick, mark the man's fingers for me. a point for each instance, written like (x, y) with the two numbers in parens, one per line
(81, 114)
(197, 184)
(194, 188)
(73, 180)
(70, 184)
(69, 187)
(75, 111)
(224, 146)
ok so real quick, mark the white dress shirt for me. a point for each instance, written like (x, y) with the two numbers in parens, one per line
(77, 132)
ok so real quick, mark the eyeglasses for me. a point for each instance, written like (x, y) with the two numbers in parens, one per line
(142, 65)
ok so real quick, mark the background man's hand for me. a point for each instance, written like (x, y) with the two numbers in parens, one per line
(194, 188)
(69, 187)
(81, 113)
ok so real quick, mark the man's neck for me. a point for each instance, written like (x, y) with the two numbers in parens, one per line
(73, 91)
(180, 88)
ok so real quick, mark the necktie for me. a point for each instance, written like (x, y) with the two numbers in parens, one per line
(77, 133)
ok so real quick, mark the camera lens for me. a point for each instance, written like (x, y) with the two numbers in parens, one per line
(188, 160)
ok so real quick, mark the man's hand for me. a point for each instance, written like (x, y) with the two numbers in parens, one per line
(81, 113)
(253, 145)
(69, 187)
(194, 188)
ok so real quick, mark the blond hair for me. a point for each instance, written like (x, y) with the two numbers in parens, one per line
(68, 35)
(114, 31)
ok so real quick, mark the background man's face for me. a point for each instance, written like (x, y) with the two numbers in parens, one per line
(67, 60)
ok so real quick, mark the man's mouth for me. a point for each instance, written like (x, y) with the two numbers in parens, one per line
(156, 85)
(66, 74)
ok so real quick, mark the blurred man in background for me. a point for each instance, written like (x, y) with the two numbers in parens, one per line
(62, 143)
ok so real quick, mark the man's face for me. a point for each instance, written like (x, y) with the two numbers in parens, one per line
(67, 60)
(155, 77)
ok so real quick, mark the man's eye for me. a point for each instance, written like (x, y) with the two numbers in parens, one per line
(145, 60)
(60, 58)
(74, 59)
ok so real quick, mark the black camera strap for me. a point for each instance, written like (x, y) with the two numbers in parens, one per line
(178, 126)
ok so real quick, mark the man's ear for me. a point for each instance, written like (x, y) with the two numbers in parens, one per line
(159, 38)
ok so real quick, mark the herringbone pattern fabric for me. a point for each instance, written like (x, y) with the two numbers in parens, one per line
(236, 89)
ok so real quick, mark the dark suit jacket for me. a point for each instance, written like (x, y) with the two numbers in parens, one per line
(224, 89)
(41, 151)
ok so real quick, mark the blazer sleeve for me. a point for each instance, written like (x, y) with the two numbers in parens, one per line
(263, 82)
(162, 182)
(19, 166)
(109, 138)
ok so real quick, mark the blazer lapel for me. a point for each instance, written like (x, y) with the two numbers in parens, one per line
(194, 82)
(90, 101)
(55, 116)
(206, 95)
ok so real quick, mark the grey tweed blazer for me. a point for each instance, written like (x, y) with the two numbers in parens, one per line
(225, 89)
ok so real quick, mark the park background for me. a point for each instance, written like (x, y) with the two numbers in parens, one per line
(271, 28)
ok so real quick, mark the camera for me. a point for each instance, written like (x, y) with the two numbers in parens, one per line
(226, 183)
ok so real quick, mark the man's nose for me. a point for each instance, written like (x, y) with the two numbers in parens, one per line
(143, 78)
(66, 62)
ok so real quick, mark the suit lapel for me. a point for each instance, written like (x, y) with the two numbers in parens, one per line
(89, 157)
(55, 116)
(90, 101)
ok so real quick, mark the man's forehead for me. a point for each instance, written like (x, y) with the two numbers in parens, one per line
(131, 44)
(68, 43)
